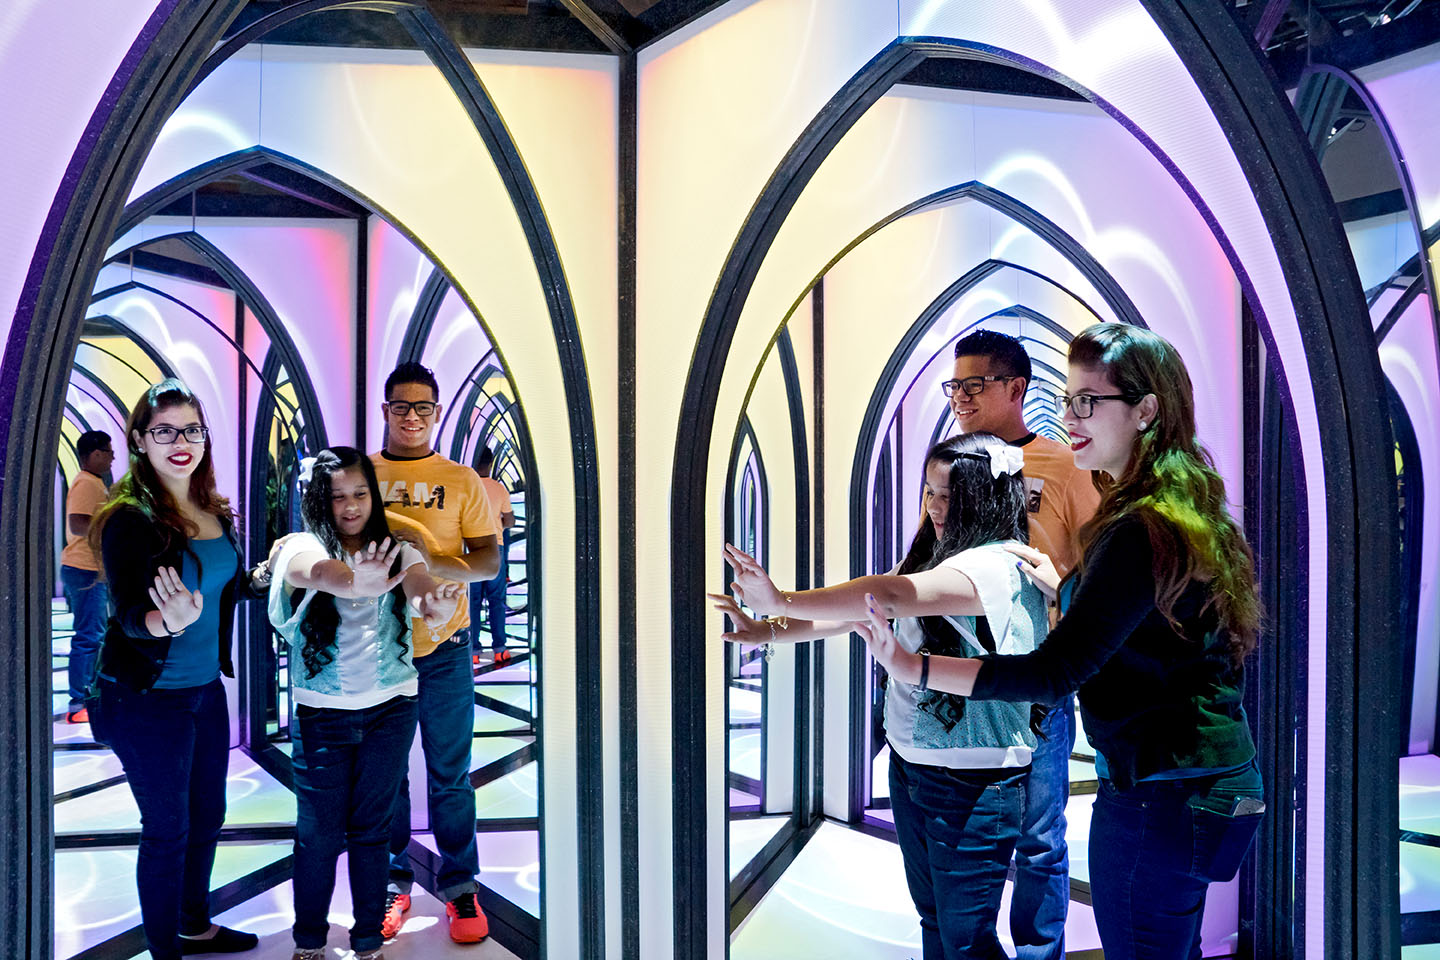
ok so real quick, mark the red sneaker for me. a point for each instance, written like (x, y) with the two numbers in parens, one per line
(396, 906)
(78, 716)
(502, 656)
(467, 920)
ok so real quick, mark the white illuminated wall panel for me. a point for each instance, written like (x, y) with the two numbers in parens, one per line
(63, 56)
(397, 271)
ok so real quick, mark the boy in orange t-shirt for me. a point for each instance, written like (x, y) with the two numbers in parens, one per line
(447, 500)
(491, 593)
(85, 591)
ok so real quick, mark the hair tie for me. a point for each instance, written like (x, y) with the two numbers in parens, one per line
(307, 469)
(1005, 460)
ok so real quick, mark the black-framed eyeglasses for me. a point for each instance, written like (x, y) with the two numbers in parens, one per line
(1084, 403)
(168, 435)
(402, 408)
(971, 386)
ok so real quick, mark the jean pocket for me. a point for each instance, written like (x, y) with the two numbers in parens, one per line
(1221, 842)
(1134, 799)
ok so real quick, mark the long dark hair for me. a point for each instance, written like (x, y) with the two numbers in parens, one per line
(984, 508)
(1171, 484)
(322, 619)
(140, 488)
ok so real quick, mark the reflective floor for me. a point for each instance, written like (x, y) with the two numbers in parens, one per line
(97, 824)
(845, 894)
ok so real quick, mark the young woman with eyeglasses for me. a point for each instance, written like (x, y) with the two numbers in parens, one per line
(958, 775)
(1155, 627)
(169, 552)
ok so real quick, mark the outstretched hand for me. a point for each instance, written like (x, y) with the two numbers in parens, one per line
(753, 586)
(178, 605)
(438, 606)
(1038, 567)
(743, 629)
(371, 567)
(884, 646)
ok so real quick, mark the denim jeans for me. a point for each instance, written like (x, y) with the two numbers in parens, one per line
(1042, 860)
(1154, 849)
(89, 601)
(491, 595)
(174, 748)
(957, 830)
(447, 731)
(348, 765)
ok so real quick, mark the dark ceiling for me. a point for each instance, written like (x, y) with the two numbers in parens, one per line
(1341, 33)
(579, 26)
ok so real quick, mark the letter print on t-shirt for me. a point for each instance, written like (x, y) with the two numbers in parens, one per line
(397, 493)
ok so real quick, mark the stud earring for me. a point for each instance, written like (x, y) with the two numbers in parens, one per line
(1142, 424)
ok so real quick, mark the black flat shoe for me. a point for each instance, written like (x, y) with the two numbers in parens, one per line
(225, 940)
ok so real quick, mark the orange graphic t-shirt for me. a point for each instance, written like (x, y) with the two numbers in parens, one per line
(86, 495)
(447, 500)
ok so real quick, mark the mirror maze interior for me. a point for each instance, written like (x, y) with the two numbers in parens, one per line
(690, 273)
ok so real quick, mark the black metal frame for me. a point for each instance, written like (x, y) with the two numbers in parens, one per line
(744, 430)
(1046, 229)
(752, 882)
(1317, 122)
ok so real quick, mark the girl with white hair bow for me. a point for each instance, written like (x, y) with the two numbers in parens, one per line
(958, 771)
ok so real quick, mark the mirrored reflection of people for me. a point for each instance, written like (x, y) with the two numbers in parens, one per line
(957, 770)
(987, 394)
(1153, 633)
(85, 590)
(341, 596)
(167, 543)
(490, 594)
(447, 499)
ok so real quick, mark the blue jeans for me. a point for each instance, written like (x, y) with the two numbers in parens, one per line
(1154, 849)
(348, 765)
(491, 595)
(1042, 860)
(89, 601)
(174, 746)
(957, 829)
(447, 732)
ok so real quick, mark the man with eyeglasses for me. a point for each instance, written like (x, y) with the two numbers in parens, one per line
(987, 395)
(446, 499)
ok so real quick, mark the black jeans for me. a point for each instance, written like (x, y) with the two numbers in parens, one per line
(1154, 851)
(174, 747)
(348, 765)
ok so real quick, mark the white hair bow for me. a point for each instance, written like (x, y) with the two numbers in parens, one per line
(1005, 459)
(307, 468)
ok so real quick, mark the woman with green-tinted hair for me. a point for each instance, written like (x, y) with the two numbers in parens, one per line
(1156, 623)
